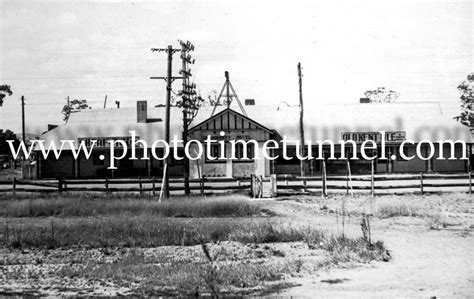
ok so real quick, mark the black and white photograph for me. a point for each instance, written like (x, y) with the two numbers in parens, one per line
(275, 149)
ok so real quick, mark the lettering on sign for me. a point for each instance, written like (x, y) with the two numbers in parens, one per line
(359, 137)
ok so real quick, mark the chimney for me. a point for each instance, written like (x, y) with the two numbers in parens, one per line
(249, 102)
(364, 100)
(141, 111)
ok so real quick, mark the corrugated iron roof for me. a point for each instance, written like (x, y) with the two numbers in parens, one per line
(420, 121)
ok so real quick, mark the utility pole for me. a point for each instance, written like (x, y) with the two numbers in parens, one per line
(169, 80)
(185, 74)
(23, 133)
(23, 119)
(302, 145)
(105, 101)
(189, 103)
(166, 186)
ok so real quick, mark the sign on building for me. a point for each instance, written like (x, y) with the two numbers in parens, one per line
(359, 137)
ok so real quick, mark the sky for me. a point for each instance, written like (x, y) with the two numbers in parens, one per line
(50, 50)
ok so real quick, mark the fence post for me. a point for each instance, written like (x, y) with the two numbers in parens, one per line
(202, 184)
(470, 182)
(14, 186)
(323, 177)
(252, 185)
(273, 184)
(347, 183)
(60, 185)
(153, 186)
(106, 185)
(372, 179)
(304, 184)
(140, 185)
(421, 183)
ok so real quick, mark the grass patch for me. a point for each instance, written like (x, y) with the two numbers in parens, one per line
(149, 231)
(128, 205)
(146, 231)
(187, 279)
(387, 206)
(216, 274)
(395, 207)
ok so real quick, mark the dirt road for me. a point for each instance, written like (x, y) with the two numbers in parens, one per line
(424, 263)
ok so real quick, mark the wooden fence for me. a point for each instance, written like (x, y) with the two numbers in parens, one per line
(257, 186)
(379, 184)
(140, 185)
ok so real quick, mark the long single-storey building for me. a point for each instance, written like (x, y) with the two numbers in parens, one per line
(402, 121)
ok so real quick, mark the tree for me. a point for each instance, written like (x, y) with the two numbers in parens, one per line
(4, 91)
(213, 98)
(381, 95)
(73, 106)
(466, 88)
(4, 147)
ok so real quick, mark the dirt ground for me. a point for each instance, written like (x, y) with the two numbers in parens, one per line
(431, 255)
(425, 262)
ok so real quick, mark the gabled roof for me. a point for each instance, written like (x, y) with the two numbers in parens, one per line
(222, 112)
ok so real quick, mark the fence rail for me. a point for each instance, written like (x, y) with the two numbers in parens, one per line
(140, 185)
(257, 185)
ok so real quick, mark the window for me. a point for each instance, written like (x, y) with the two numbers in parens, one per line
(251, 151)
(239, 152)
(215, 151)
